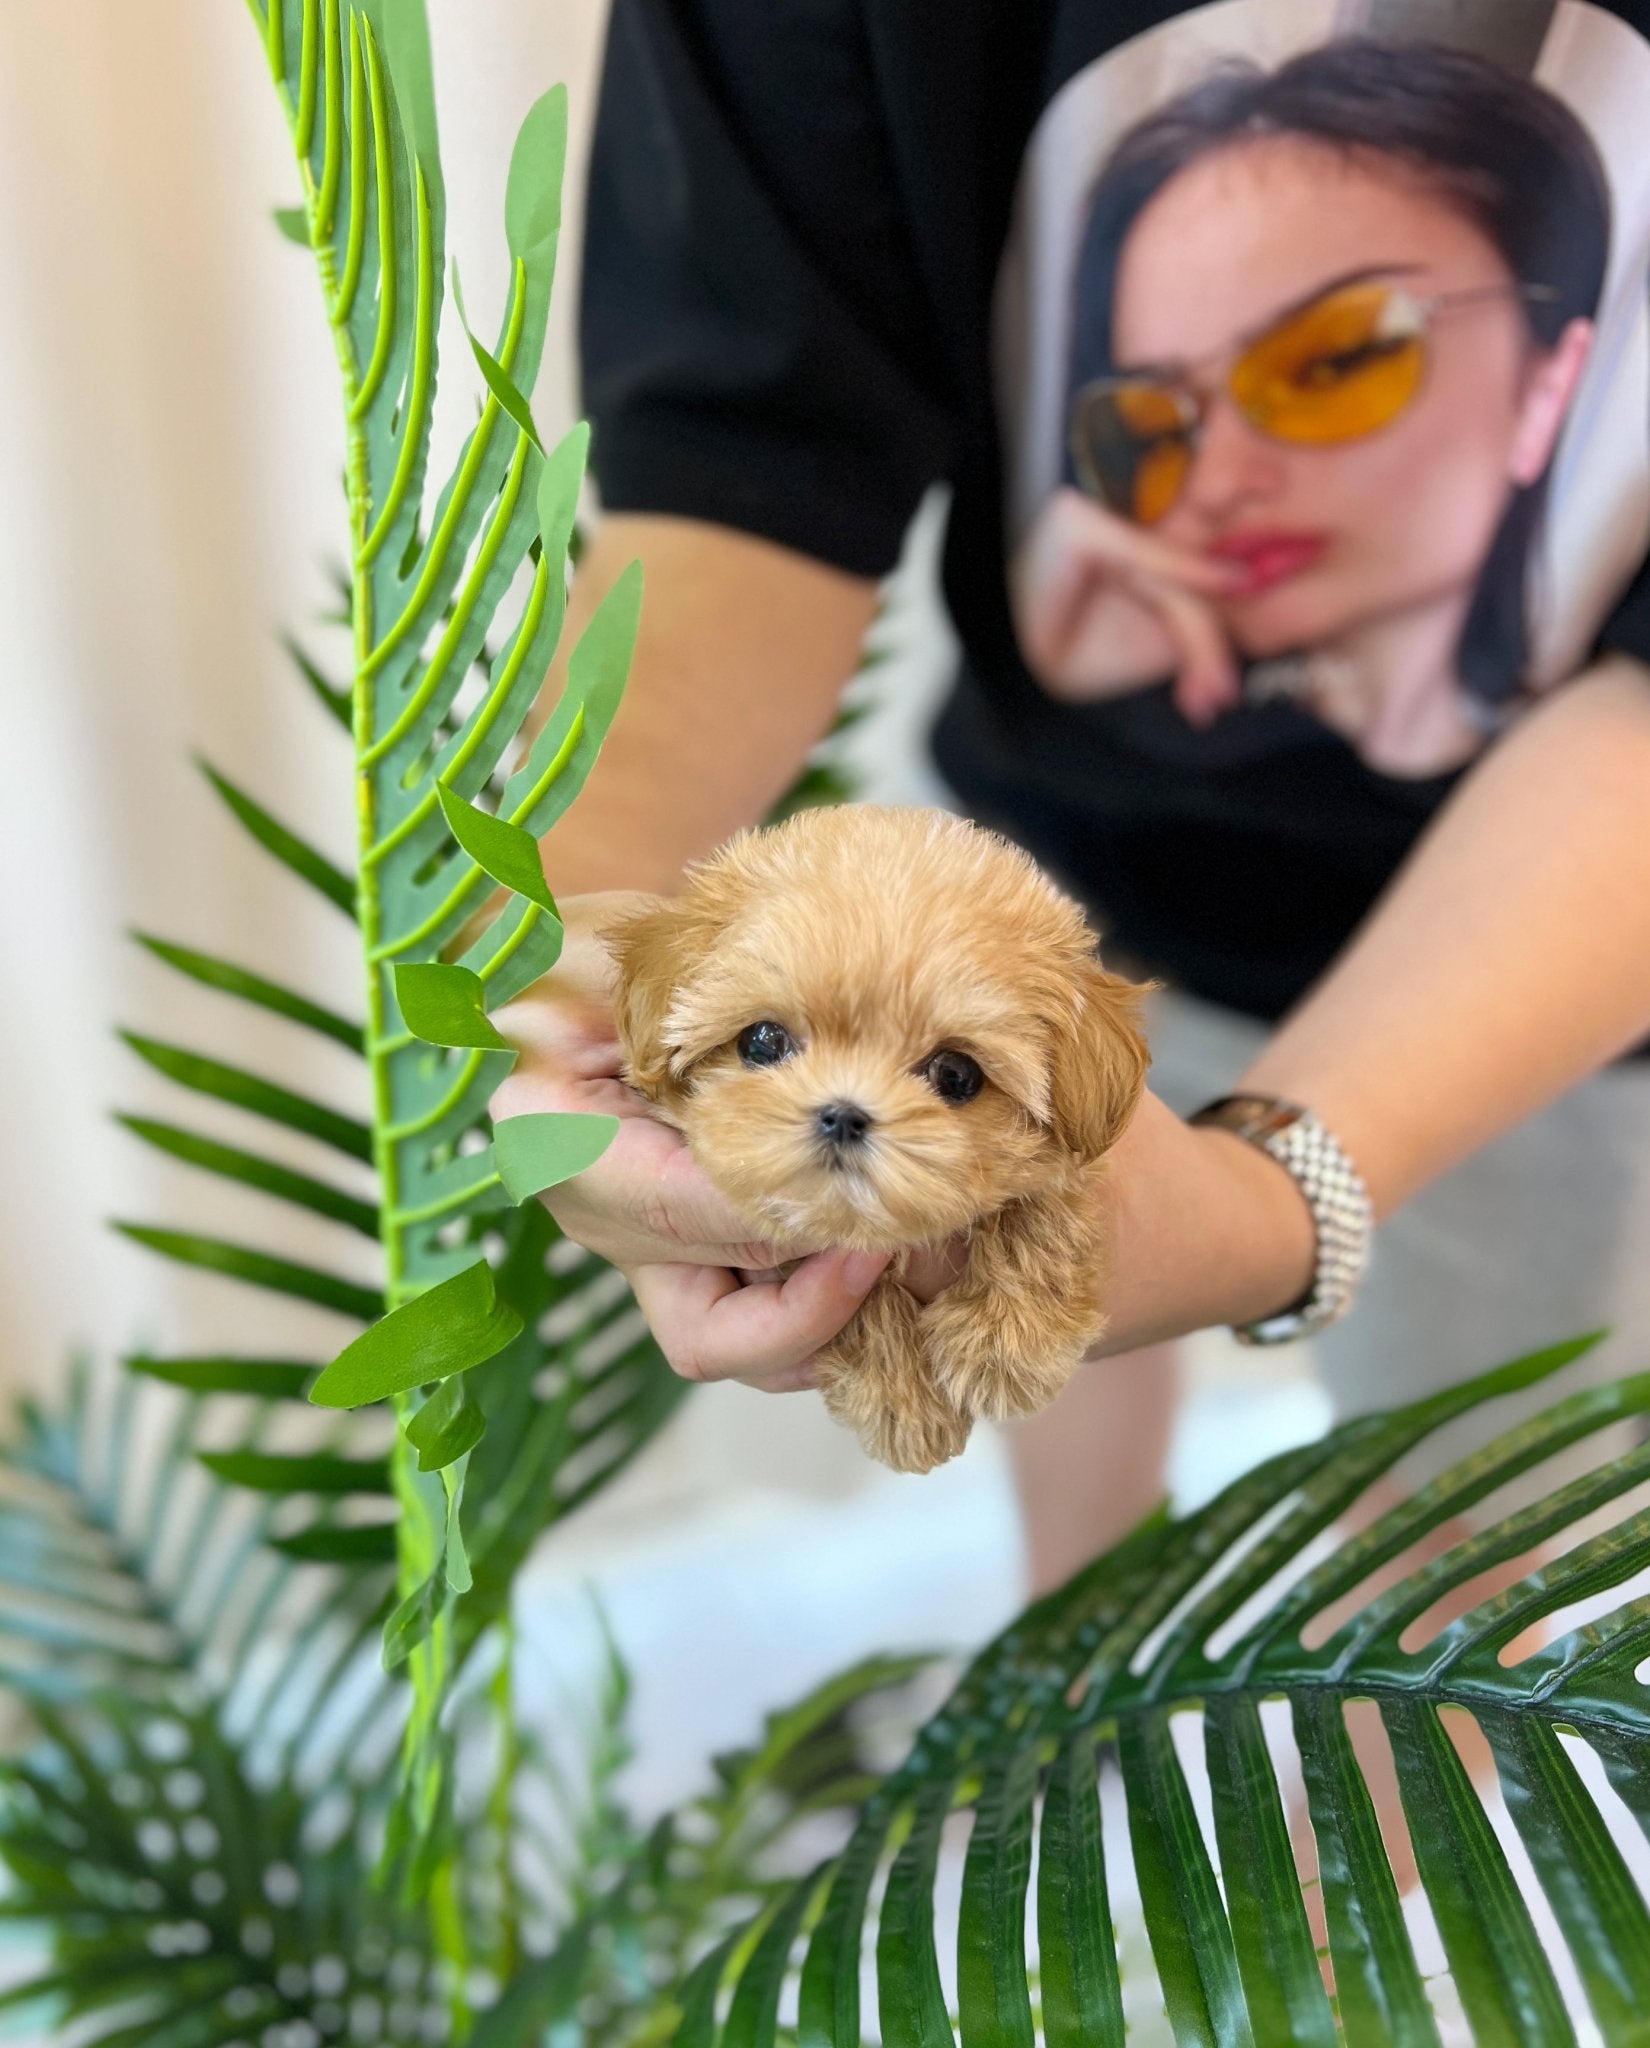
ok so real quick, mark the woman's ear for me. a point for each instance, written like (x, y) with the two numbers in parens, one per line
(1547, 400)
(1099, 1063)
(655, 951)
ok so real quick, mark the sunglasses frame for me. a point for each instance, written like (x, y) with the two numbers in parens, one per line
(1227, 358)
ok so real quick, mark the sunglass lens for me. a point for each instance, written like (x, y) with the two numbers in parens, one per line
(1339, 368)
(1133, 446)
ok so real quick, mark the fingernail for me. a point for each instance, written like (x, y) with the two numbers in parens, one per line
(859, 1269)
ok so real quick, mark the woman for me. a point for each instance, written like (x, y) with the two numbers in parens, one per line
(1329, 322)
(1444, 986)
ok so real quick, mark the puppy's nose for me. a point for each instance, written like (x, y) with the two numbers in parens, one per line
(843, 1123)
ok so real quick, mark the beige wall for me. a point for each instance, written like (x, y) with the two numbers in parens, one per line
(168, 458)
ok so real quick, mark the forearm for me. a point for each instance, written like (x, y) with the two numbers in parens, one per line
(743, 654)
(1203, 1230)
(1510, 959)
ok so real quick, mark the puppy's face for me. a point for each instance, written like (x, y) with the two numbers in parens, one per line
(874, 1027)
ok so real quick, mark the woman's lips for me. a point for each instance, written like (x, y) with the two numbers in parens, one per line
(1268, 558)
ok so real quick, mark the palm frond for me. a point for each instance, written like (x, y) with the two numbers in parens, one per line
(1212, 1618)
(639, 1906)
(182, 1828)
(438, 700)
(455, 601)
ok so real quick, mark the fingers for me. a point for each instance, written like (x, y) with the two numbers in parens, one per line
(711, 1328)
(564, 1022)
(1179, 585)
(645, 1200)
(1109, 540)
(1208, 680)
(1103, 604)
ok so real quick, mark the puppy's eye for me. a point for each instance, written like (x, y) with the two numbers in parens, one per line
(954, 1077)
(765, 1044)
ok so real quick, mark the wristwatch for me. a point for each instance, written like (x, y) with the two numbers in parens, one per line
(1342, 1215)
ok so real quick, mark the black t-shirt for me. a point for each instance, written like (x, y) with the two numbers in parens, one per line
(1344, 299)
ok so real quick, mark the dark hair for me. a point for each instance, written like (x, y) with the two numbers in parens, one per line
(1506, 153)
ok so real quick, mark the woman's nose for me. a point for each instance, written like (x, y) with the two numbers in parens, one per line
(1233, 465)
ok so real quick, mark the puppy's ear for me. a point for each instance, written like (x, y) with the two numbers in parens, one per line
(1099, 1063)
(655, 952)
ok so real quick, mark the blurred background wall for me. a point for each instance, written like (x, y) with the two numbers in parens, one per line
(169, 455)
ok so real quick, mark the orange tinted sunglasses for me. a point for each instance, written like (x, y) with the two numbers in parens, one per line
(1342, 365)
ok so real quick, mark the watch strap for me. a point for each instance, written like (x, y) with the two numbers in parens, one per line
(1343, 1217)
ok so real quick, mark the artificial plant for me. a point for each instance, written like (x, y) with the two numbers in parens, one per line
(455, 599)
(191, 1831)
(1211, 1617)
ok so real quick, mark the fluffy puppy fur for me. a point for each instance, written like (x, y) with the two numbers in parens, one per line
(879, 1029)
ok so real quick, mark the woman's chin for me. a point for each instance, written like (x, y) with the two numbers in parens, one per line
(1285, 620)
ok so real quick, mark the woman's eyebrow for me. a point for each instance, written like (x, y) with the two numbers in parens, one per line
(1364, 274)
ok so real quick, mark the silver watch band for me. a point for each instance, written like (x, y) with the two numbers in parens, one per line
(1342, 1215)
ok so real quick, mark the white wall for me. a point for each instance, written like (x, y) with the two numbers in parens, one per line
(168, 456)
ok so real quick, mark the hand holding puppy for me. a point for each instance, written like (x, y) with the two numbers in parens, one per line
(647, 1208)
(878, 1030)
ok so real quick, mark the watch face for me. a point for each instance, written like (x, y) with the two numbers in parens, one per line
(1255, 1117)
(1270, 1118)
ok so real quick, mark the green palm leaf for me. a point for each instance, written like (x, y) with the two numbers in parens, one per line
(455, 599)
(253, 988)
(425, 594)
(159, 1824)
(1087, 1687)
(445, 666)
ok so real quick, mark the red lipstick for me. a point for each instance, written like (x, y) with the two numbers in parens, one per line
(1269, 557)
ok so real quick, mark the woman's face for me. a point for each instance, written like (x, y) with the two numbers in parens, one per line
(1334, 537)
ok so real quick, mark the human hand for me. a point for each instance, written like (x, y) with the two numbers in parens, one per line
(646, 1207)
(1103, 606)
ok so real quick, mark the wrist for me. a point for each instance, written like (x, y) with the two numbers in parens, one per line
(1205, 1229)
(1332, 1188)
(1271, 1228)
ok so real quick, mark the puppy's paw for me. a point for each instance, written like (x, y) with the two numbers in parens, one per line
(914, 1435)
(990, 1360)
(876, 1381)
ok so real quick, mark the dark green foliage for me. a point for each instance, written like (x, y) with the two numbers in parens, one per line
(190, 1827)
(185, 1824)
(1083, 1689)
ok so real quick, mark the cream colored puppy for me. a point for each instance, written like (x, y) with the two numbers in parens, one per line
(879, 1029)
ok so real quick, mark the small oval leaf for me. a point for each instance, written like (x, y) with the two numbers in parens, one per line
(537, 1152)
(446, 1005)
(498, 379)
(449, 1424)
(498, 848)
(447, 1329)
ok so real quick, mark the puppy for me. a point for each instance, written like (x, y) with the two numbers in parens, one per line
(879, 1029)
